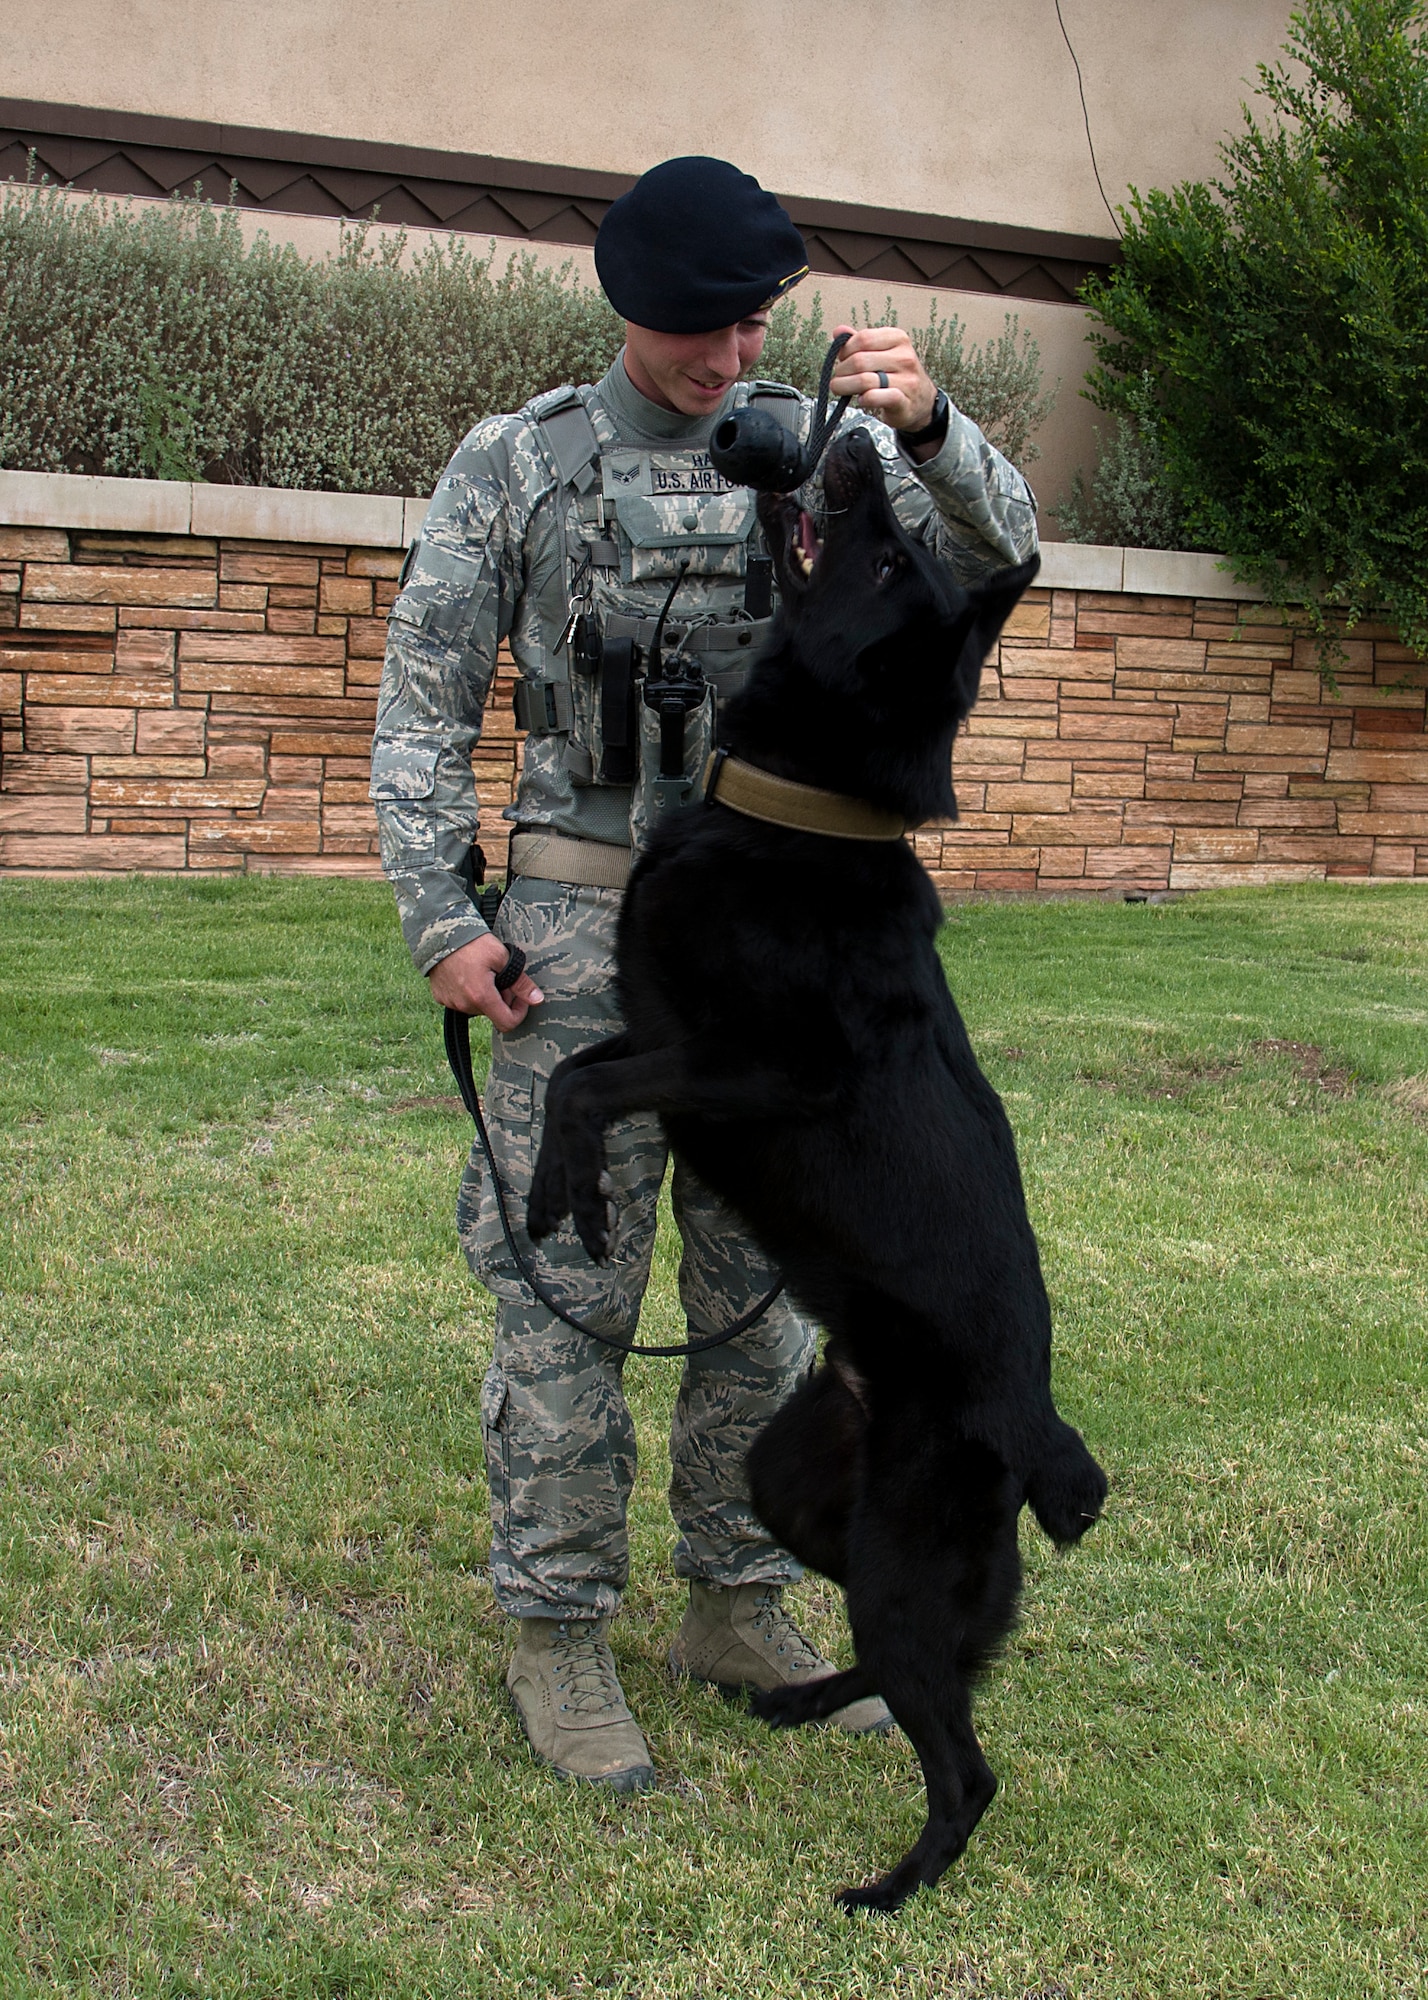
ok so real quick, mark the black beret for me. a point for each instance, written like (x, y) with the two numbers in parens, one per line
(696, 245)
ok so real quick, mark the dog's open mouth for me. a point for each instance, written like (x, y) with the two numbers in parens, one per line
(804, 545)
(793, 537)
(793, 533)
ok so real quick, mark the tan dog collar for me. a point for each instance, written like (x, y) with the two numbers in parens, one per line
(781, 802)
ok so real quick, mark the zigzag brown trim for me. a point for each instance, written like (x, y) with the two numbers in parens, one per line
(295, 173)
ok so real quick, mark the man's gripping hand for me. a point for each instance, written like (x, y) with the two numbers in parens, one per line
(874, 351)
(466, 981)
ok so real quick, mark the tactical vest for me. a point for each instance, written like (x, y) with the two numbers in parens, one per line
(636, 701)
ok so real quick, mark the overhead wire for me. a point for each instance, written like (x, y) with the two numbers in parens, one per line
(1086, 119)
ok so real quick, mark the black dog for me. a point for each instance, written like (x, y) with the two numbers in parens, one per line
(790, 1023)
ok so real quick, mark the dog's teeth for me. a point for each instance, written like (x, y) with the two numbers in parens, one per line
(807, 562)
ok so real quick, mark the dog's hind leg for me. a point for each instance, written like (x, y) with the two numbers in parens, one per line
(932, 1589)
(805, 1472)
(960, 1786)
(805, 1469)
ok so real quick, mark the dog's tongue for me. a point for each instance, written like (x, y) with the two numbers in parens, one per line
(807, 536)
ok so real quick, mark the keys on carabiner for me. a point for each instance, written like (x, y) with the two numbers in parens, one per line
(580, 601)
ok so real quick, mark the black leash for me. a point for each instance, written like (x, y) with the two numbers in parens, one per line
(457, 1033)
(823, 425)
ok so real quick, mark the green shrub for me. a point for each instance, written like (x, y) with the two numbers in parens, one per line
(1280, 313)
(154, 342)
(796, 344)
(999, 383)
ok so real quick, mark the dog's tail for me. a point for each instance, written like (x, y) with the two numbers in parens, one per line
(1067, 1489)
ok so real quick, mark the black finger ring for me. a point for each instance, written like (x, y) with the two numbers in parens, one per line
(882, 379)
(511, 971)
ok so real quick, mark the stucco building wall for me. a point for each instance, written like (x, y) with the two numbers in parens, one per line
(929, 109)
(932, 105)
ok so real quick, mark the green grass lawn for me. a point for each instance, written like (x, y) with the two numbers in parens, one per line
(253, 1737)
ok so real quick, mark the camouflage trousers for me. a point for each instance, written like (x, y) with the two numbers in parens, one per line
(559, 1440)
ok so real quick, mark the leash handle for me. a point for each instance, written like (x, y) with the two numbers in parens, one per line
(456, 1032)
(823, 426)
(511, 971)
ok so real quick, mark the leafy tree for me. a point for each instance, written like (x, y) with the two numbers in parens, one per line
(1281, 316)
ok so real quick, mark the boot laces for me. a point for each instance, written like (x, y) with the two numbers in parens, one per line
(777, 1629)
(584, 1671)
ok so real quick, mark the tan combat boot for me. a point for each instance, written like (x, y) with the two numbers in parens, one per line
(562, 1679)
(739, 1637)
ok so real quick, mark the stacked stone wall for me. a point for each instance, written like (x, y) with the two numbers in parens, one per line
(188, 702)
(178, 702)
(1140, 742)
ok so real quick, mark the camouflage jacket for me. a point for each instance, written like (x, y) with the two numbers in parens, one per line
(487, 568)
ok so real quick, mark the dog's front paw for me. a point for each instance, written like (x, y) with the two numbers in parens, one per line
(593, 1212)
(1067, 1492)
(549, 1202)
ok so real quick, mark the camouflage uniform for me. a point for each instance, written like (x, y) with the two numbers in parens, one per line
(560, 1448)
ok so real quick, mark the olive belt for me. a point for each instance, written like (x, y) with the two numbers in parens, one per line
(583, 864)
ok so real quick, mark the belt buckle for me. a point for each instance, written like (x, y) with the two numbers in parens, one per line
(709, 781)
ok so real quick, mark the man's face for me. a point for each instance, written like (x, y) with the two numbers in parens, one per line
(692, 372)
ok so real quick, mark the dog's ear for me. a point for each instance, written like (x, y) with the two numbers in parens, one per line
(990, 605)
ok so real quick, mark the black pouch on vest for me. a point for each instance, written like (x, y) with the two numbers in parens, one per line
(617, 712)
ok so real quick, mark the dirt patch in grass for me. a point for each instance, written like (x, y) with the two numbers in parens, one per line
(1175, 1078)
(426, 1104)
(1308, 1059)
(1175, 1082)
(1164, 1080)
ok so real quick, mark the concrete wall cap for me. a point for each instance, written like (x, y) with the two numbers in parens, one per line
(75, 500)
(386, 521)
(283, 514)
(1182, 573)
(174, 507)
(1079, 566)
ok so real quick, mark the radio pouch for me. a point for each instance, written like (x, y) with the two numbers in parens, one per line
(656, 792)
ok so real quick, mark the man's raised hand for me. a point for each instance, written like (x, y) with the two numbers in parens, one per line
(875, 352)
